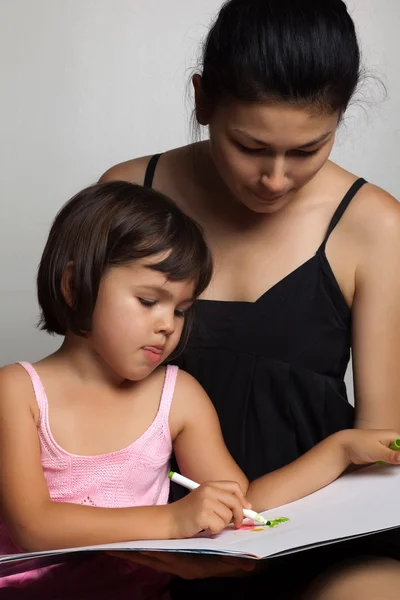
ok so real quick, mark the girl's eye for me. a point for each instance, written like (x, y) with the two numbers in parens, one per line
(146, 302)
(149, 303)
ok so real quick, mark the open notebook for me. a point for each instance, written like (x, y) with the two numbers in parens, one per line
(359, 503)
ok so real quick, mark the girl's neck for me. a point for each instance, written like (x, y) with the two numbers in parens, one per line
(83, 363)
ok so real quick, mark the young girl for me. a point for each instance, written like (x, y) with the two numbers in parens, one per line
(86, 434)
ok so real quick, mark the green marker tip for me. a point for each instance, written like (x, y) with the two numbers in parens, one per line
(170, 474)
(393, 446)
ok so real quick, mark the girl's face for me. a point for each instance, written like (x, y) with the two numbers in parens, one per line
(138, 318)
(265, 153)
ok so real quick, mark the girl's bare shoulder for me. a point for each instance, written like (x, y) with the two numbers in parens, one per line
(16, 389)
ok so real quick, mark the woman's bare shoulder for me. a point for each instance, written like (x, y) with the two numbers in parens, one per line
(134, 170)
(373, 221)
(375, 214)
(372, 212)
(131, 170)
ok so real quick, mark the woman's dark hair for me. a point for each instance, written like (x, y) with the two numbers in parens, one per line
(106, 225)
(300, 51)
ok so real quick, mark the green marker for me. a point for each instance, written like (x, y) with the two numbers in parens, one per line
(393, 446)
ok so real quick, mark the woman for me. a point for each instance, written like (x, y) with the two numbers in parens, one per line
(307, 254)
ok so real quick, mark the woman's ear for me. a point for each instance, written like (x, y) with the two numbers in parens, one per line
(203, 111)
(66, 288)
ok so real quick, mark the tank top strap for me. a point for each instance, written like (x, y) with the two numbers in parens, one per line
(171, 374)
(150, 170)
(38, 389)
(357, 185)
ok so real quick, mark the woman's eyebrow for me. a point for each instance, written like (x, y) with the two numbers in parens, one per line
(321, 138)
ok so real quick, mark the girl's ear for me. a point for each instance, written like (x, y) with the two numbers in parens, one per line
(66, 283)
(202, 105)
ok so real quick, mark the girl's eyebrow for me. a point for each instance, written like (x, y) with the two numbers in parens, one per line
(321, 138)
(154, 288)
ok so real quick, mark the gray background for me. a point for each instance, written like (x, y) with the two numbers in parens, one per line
(88, 83)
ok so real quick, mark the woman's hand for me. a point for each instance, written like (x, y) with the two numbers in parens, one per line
(364, 446)
(189, 566)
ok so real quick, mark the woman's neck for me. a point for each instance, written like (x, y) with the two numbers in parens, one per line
(216, 198)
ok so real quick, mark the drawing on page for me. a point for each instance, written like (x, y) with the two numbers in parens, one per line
(255, 527)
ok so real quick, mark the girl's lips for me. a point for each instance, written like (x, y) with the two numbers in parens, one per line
(156, 349)
(153, 353)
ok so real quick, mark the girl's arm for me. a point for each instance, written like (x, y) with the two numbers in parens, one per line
(35, 522)
(321, 465)
(198, 443)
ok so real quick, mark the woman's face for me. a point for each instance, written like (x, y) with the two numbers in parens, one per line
(265, 153)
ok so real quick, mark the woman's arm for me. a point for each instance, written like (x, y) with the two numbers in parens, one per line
(202, 455)
(321, 465)
(376, 312)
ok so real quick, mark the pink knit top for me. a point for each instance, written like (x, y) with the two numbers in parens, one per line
(134, 476)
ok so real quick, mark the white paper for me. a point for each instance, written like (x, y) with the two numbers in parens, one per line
(359, 503)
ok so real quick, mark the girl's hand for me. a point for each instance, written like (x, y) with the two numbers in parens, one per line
(363, 446)
(210, 507)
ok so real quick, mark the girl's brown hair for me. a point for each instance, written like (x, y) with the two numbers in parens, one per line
(110, 224)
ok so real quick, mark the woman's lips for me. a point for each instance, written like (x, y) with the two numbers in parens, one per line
(269, 197)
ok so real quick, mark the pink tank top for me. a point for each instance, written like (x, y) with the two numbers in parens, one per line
(134, 476)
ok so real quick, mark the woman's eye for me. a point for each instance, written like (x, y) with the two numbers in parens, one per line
(145, 302)
(248, 150)
(180, 313)
(299, 153)
(304, 154)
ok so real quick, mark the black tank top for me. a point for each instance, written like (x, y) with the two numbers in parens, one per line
(275, 368)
